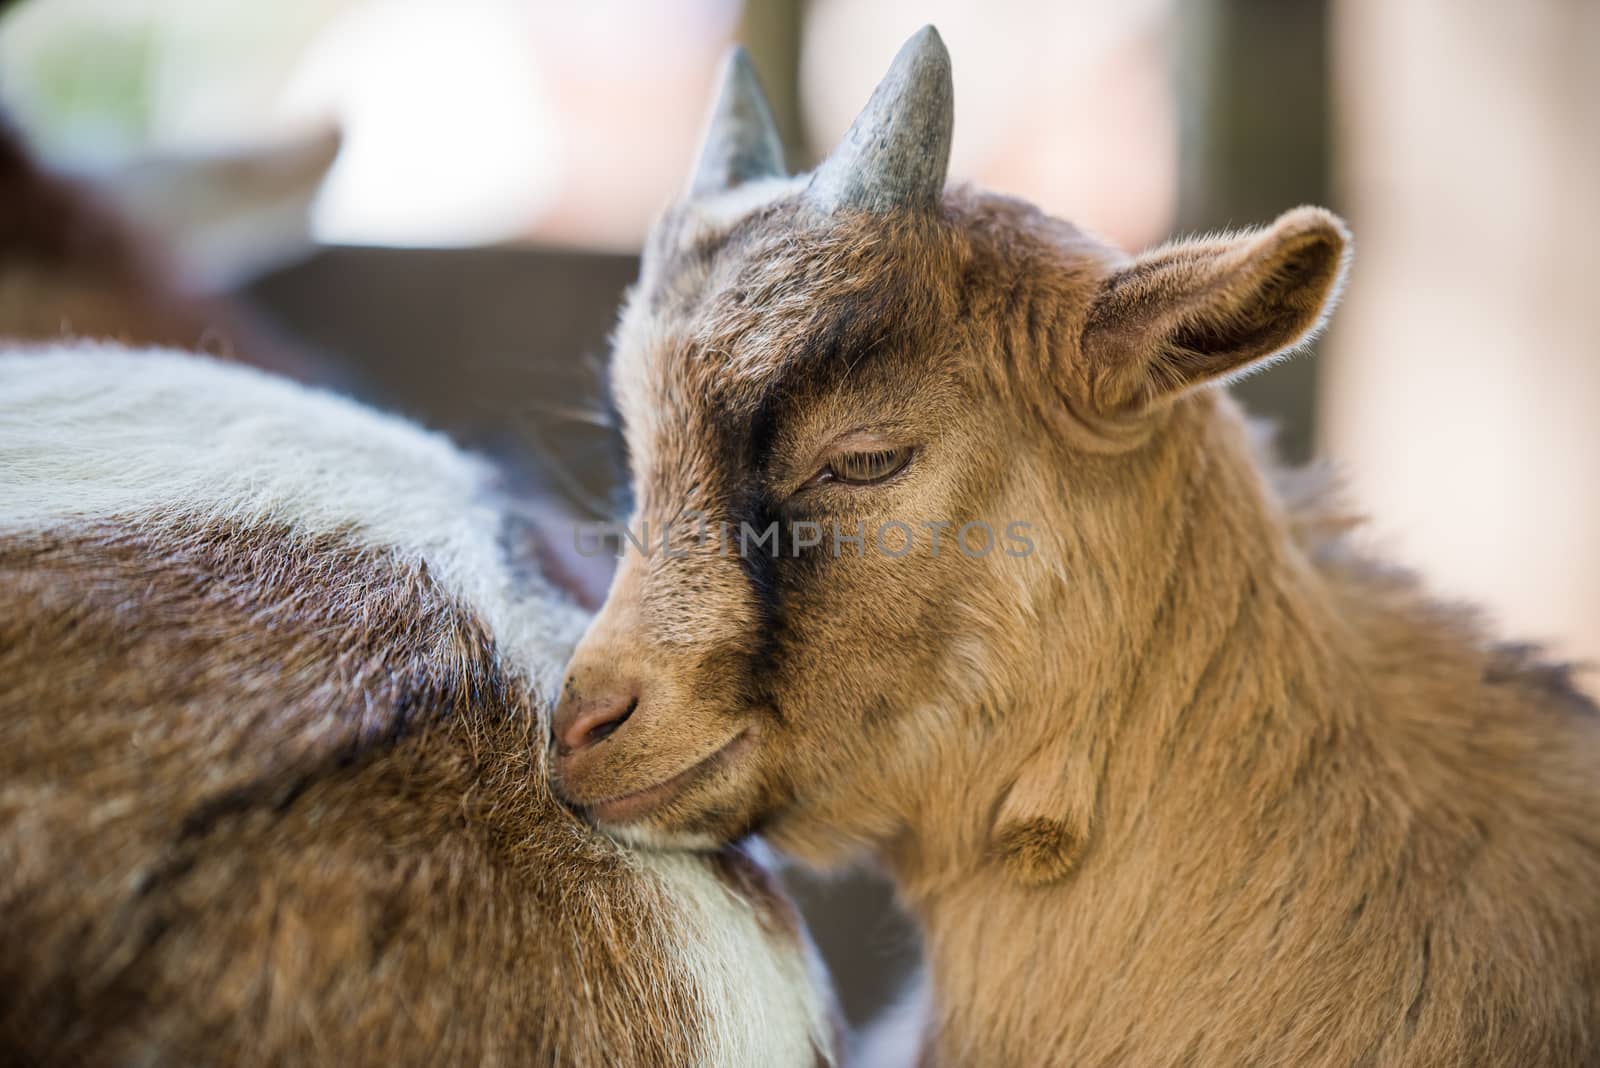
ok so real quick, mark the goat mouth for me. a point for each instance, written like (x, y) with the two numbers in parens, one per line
(625, 808)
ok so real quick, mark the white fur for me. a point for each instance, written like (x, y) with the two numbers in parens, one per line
(91, 432)
(763, 992)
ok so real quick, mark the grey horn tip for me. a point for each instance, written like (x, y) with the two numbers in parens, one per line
(897, 152)
(928, 36)
(736, 65)
(741, 141)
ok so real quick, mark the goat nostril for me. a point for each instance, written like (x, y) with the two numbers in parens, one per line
(593, 721)
(601, 731)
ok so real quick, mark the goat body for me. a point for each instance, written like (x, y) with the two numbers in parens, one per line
(272, 782)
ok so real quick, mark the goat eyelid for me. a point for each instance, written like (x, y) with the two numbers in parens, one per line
(864, 467)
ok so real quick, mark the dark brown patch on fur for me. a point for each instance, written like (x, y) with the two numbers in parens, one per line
(1039, 850)
(1524, 664)
(754, 884)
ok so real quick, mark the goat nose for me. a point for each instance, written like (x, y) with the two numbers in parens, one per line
(580, 723)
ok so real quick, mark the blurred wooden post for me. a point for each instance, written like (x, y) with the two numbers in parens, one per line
(770, 31)
(1254, 101)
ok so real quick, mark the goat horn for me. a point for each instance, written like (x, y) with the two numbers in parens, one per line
(897, 152)
(741, 141)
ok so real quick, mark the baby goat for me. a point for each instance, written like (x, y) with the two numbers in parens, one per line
(957, 557)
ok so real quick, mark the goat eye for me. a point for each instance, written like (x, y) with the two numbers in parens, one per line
(863, 468)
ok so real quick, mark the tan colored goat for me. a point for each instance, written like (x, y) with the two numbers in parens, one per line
(1172, 773)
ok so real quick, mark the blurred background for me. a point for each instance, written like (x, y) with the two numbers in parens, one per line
(437, 203)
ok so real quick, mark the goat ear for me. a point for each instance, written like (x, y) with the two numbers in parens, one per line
(1198, 311)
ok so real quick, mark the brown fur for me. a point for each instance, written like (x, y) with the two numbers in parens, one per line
(270, 800)
(1195, 782)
